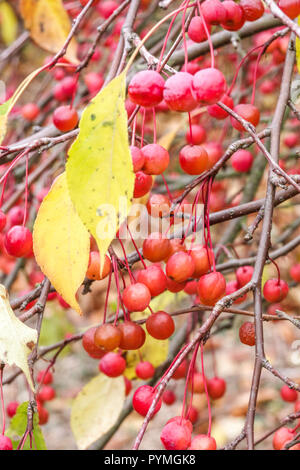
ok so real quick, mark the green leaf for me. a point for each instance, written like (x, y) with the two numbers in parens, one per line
(96, 409)
(18, 426)
(99, 169)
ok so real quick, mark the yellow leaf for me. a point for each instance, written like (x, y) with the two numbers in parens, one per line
(165, 141)
(298, 49)
(61, 243)
(49, 25)
(99, 169)
(8, 22)
(6, 107)
(153, 350)
(16, 339)
(96, 409)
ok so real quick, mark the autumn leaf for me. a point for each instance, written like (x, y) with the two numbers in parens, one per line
(99, 169)
(17, 428)
(266, 274)
(167, 300)
(96, 409)
(49, 25)
(16, 339)
(4, 111)
(61, 243)
(153, 350)
(298, 48)
(167, 139)
(8, 23)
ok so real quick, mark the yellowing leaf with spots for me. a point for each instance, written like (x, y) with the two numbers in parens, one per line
(49, 25)
(16, 338)
(8, 23)
(96, 409)
(99, 169)
(153, 350)
(61, 242)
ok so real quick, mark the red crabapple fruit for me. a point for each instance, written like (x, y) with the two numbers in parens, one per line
(143, 398)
